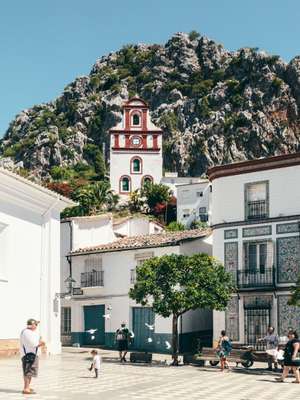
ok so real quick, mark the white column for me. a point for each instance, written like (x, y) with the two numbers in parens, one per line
(50, 282)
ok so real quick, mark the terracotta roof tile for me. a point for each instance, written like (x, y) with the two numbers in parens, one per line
(145, 241)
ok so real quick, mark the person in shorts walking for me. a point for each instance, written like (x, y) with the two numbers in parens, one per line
(223, 350)
(122, 338)
(30, 342)
(291, 357)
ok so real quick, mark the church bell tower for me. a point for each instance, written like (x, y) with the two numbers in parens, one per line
(135, 149)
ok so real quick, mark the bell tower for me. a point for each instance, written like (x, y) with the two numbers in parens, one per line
(135, 149)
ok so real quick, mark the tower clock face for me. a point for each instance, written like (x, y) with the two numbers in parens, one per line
(136, 141)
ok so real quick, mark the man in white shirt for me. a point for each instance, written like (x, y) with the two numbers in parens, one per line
(30, 342)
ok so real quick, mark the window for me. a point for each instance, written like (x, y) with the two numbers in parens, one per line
(93, 275)
(125, 184)
(136, 120)
(256, 200)
(199, 194)
(202, 210)
(140, 258)
(147, 180)
(132, 276)
(257, 257)
(136, 165)
(65, 320)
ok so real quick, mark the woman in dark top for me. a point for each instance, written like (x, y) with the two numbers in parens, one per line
(291, 357)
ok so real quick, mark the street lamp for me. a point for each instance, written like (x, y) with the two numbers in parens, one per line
(69, 283)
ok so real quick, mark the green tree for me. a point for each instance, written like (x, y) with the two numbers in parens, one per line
(295, 298)
(93, 155)
(174, 284)
(155, 193)
(136, 202)
(92, 199)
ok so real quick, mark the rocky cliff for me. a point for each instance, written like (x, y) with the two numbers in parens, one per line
(214, 106)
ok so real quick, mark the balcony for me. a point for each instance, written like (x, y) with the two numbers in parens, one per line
(92, 279)
(257, 209)
(250, 279)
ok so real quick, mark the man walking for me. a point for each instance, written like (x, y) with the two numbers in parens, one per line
(30, 342)
(271, 340)
(122, 338)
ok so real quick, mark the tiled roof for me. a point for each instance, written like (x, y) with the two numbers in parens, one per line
(145, 241)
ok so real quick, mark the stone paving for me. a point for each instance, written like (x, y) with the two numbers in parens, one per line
(66, 377)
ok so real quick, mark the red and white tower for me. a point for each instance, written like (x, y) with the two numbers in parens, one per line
(135, 149)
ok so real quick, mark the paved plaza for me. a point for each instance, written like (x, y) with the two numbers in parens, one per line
(66, 377)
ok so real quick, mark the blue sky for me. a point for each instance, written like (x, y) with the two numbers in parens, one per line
(45, 44)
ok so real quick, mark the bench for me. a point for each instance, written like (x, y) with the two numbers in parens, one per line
(142, 357)
(239, 356)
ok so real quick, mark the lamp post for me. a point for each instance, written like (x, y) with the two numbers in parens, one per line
(69, 283)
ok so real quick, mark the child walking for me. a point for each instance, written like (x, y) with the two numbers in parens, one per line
(96, 362)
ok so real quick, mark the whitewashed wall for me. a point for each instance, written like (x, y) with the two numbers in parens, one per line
(228, 194)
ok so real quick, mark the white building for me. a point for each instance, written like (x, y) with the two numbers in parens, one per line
(29, 260)
(193, 202)
(255, 220)
(106, 272)
(172, 180)
(135, 149)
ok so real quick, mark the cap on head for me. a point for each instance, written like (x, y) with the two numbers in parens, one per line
(32, 321)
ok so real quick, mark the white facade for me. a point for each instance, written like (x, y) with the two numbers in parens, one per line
(172, 180)
(134, 226)
(193, 202)
(255, 219)
(29, 257)
(111, 291)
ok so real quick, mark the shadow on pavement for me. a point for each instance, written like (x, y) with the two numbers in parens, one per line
(10, 391)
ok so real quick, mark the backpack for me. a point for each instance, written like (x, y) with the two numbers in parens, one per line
(121, 335)
(227, 346)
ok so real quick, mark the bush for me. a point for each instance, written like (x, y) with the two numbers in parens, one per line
(198, 225)
(169, 121)
(277, 84)
(193, 35)
(175, 226)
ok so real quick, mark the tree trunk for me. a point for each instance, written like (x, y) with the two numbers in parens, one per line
(175, 340)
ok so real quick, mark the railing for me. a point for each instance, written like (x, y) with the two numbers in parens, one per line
(257, 209)
(256, 279)
(90, 279)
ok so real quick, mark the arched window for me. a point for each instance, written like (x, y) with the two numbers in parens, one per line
(136, 120)
(147, 179)
(136, 165)
(125, 184)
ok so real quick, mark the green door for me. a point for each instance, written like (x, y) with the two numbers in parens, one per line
(93, 319)
(140, 317)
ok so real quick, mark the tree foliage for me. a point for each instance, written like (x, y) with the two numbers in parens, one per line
(174, 284)
(295, 298)
(92, 199)
(155, 193)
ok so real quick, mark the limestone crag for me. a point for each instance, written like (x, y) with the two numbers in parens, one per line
(213, 105)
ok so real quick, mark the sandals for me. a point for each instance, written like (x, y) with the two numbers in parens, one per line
(31, 391)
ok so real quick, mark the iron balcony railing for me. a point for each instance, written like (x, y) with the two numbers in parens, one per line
(94, 278)
(257, 209)
(249, 278)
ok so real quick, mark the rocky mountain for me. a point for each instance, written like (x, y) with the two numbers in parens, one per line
(214, 106)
